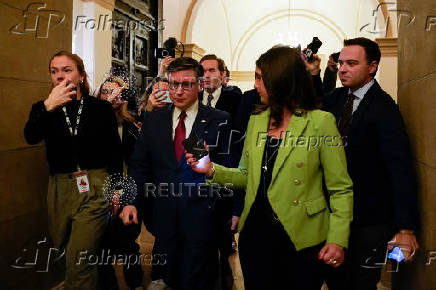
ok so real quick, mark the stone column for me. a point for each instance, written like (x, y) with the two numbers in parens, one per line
(388, 64)
(417, 100)
(30, 34)
(92, 36)
(191, 50)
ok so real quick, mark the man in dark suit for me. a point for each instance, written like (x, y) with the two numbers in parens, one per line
(185, 254)
(214, 94)
(379, 163)
(217, 94)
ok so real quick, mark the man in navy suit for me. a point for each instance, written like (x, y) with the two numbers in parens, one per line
(214, 94)
(379, 163)
(217, 94)
(178, 206)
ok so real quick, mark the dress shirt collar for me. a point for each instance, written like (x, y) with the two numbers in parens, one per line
(191, 112)
(216, 94)
(360, 93)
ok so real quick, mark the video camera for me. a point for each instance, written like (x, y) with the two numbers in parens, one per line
(312, 48)
(169, 48)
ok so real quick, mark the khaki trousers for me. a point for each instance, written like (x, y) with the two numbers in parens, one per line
(77, 222)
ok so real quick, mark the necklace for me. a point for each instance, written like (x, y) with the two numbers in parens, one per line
(267, 160)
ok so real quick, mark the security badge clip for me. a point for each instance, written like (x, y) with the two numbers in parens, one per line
(82, 180)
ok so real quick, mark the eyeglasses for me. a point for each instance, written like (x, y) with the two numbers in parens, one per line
(186, 86)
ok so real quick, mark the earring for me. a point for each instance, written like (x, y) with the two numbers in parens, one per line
(81, 82)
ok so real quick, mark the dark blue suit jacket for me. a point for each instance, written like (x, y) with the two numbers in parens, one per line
(379, 160)
(177, 205)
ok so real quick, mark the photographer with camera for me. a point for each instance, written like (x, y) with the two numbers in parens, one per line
(118, 239)
(331, 73)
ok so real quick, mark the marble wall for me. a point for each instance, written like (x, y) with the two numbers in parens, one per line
(29, 35)
(417, 100)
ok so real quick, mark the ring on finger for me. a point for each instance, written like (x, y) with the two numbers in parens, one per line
(333, 261)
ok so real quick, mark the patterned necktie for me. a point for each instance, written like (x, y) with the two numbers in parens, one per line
(179, 136)
(347, 113)
(209, 100)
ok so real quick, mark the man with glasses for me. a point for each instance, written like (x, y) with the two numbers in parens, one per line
(178, 205)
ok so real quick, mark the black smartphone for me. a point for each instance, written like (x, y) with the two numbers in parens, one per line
(195, 146)
(73, 97)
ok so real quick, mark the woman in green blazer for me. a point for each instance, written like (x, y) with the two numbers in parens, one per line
(288, 230)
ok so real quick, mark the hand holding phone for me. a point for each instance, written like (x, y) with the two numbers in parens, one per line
(165, 97)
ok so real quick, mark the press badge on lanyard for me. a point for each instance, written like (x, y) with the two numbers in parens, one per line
(82, 181)
(81, 175)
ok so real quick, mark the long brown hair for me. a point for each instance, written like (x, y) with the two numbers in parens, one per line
(84, 86)
(122, 112)
(288, 83)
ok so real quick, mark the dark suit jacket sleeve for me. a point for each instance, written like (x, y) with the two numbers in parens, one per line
(329, 80)
(223, 157)
(397, 159)
(139, 165)
(222, 152)
(113, 139)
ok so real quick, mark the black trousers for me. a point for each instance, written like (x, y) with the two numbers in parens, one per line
(120, 240)
(269, 259)
(363, 260)
(185, 265)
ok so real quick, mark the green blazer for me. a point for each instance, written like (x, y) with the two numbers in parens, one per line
(310, 150)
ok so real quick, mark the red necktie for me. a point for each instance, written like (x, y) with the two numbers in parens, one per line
(179, 136)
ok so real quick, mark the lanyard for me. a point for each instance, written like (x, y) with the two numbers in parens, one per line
(79, 112)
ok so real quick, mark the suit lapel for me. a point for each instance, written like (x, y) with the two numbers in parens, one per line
(220, 105)
(257, 144)
(166, 129)
(200, 122)
(367, 99)
(200, 97)
(296, 127)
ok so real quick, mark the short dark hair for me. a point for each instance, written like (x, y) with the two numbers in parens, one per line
(287, 81)
(185, 63)
(372, 50)
(221, 63)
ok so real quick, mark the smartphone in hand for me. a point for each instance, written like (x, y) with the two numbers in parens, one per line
(167, 97)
